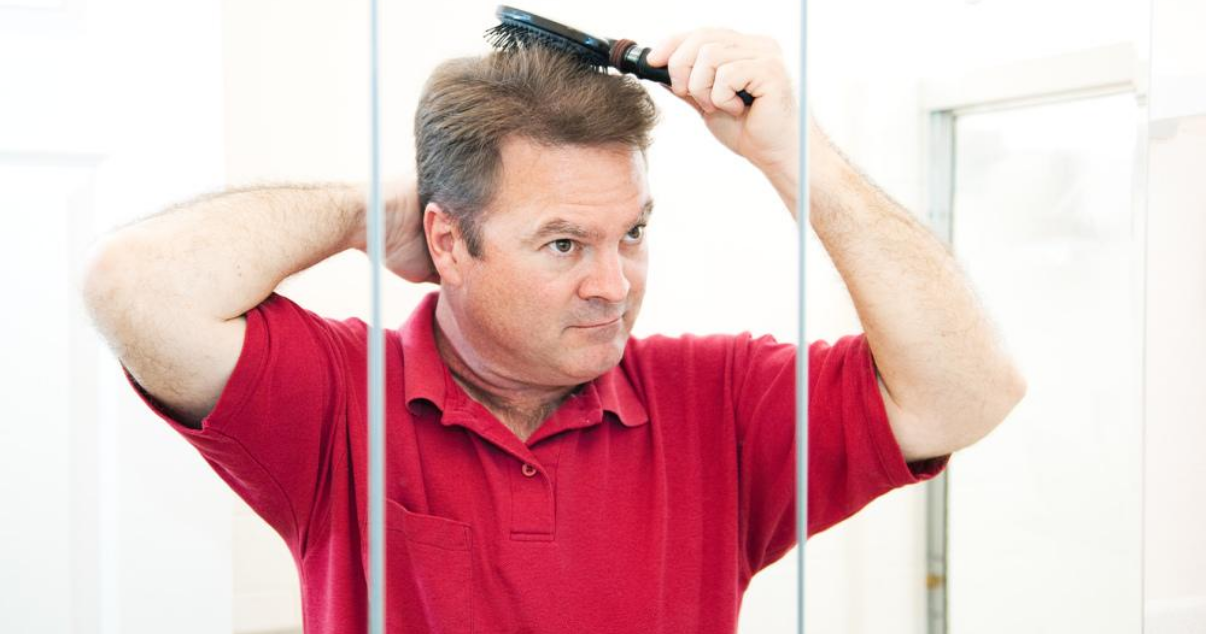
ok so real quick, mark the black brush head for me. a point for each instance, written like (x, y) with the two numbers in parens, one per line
(519, 29)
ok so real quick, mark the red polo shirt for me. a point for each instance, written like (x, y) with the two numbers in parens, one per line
(644, 504)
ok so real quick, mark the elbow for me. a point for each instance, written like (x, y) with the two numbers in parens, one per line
(1015, 387)
(100, 271)
(995, 408)
(1005, 397)
(105, 277)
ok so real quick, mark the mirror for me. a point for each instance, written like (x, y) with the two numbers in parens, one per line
(1050, 147)
(528, 503)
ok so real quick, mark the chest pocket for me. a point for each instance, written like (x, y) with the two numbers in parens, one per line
(429, 585)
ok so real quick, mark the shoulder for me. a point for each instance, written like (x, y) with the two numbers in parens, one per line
(287, 318)
(701, 358)
(713, 348)
(663, 349)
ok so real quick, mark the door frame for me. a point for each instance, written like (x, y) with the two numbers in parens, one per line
(1097, 72)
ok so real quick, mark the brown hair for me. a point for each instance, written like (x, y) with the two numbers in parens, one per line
(470, 105)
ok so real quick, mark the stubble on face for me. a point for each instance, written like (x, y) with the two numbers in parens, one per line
(530, 314)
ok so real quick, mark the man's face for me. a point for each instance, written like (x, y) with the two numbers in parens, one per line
(562, 274)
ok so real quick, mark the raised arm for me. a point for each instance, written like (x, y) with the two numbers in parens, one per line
(945, 378)
(169, 292)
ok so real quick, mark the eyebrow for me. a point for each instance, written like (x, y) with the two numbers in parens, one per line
(562, 227)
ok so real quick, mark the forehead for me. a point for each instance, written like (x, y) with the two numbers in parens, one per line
(538, 180)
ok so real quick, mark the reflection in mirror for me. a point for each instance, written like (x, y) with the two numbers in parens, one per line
(549, 469)
(578, 508)
(493, 342)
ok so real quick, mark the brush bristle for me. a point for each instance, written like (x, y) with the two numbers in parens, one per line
(510, 36)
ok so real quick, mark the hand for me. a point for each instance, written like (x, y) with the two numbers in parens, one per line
(707, 68)
(406, 252)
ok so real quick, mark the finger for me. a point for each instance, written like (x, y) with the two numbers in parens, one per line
(682, 60)
(660, 53)
(731, 78)
(711, 57)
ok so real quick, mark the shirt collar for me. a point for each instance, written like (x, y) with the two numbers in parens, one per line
(427, 376)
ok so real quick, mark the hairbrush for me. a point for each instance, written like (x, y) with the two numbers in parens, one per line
(518, 28)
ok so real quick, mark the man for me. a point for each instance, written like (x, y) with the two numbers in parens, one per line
(545, 471)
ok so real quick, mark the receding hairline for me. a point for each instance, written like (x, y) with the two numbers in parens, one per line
(617, 148)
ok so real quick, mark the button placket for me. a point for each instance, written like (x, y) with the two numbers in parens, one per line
(532, 507)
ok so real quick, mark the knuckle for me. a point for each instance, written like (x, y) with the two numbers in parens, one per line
(678, 57)
(678, 81)
(690, 44)
(712, 36)
(724, 74)
(721, 95)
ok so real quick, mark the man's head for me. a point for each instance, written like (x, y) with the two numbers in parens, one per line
(531, 173)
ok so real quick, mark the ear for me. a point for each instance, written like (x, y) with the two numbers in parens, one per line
(445, 245)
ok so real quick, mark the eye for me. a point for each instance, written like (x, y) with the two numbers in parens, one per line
(636, 233)
(564, 246)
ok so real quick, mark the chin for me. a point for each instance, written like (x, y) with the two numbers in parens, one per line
(592, 363)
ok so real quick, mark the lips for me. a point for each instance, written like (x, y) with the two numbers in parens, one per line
(600, 324)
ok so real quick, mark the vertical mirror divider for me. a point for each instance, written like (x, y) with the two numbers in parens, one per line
(376, 361)
(802, 340)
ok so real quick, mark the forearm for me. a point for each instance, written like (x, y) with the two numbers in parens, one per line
(785, 180)
(934, 345)
(219, 256)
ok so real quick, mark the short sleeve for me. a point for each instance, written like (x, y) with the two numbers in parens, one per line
(272, 434)
(853, 455)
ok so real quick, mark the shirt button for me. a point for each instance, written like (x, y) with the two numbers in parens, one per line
(528, 470)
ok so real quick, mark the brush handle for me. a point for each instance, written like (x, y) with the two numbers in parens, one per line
(632, 60)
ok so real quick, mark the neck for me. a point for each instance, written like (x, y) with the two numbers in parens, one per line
(519, 405)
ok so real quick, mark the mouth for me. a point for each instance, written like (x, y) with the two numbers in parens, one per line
(602, 324)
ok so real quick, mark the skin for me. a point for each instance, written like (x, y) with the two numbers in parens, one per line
(553, 298)
(508, 323)
(914, 302)
(945, 378)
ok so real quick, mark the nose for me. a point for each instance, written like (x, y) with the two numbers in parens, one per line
(606, 279)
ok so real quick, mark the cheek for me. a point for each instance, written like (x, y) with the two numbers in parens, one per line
(636, 270)
(521, 295)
